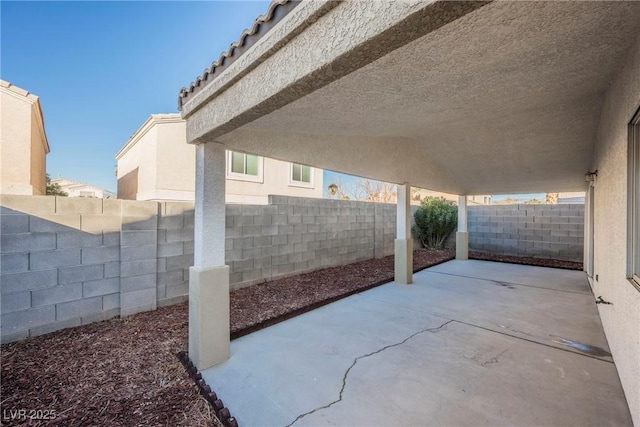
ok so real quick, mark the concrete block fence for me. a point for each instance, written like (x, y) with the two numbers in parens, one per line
(292, 235)
(543, 231)
(69, 261)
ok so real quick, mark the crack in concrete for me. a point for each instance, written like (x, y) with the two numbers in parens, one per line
(355, 361)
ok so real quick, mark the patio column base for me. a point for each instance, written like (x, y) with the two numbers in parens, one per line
(462, 245)
(208, 316)
(404, 261)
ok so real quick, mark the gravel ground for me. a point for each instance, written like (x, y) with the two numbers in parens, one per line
(124, 372)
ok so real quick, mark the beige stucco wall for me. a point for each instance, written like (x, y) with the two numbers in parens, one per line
(39, 150)
(127, 174)
(158, 164)
(23, 143)
(175, 162)
(621, 320)
(276, 180)
(137, 163)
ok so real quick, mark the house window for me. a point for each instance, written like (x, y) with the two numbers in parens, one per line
(634, 201)
(301, 175)
(245, 167)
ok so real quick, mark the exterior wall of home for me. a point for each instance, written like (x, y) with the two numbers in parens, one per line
(175, 165)
(571, 197)
(39, 149)
(544, 231)
(158, 164)
(23, 143)
(16, 154)
(127, 184)
(127, 173)
(147, 167)
(622, 319)
(137, 164)
(277, 181)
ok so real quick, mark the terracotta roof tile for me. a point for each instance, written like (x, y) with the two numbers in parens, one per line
(278, 9)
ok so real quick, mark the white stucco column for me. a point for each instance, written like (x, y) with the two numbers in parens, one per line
(209, 276)
(462, 236)
(404, 242)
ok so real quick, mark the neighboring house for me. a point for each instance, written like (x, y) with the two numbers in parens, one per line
(479, 200)
(23, 142)
(80, 189)
(571, 198)
(157, 164)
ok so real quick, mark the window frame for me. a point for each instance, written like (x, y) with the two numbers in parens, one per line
(244, 176)
(303, 184)
(633, 203)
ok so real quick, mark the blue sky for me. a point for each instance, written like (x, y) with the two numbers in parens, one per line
(100, 68)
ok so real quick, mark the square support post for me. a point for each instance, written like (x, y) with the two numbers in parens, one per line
(404, 242)
(462, 236)
(209, 277)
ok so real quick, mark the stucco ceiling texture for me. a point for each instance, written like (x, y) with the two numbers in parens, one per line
(504, 99)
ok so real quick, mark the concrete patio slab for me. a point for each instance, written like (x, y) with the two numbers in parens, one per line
(527, 275)
(454, 348)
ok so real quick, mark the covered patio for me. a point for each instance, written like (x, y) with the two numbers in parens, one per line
(469, 343)
(465, 97)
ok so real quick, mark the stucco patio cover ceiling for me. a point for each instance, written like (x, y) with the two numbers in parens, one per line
(462, 97)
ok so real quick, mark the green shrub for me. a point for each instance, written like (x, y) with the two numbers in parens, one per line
(436, 218)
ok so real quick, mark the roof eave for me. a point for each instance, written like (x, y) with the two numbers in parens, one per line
(277, 10)
(151, 121)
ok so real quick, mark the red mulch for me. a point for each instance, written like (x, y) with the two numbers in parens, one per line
(119, 372)
(123, 372)
(539, 262)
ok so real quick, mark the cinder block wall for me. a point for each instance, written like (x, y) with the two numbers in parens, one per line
(60, 263)
(288, 236)
(138, 256)
(68, 261)
(293, 235)
(544, 231)
(175, 251)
